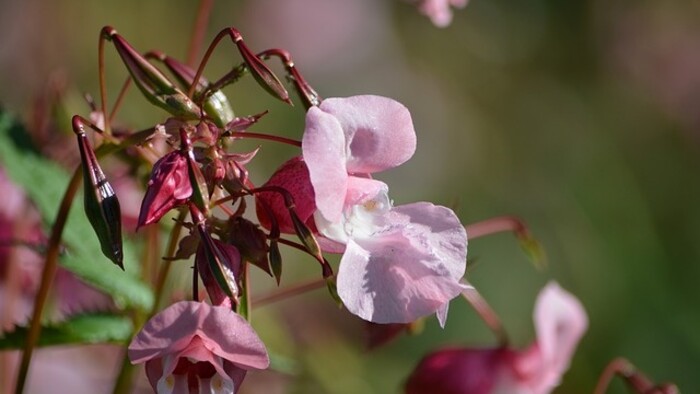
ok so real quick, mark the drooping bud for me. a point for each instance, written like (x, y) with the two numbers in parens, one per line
(276, 260)
(168, 187)
(152, 83)
(307, 94)
(250, 241)
(262, 74)
(101, 203)
(219, 266)
(215, 103)
(200, 193)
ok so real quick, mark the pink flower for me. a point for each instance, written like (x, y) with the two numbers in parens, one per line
(400, 263)
(560, 321)
(168, 187)
(439, 11)
(193, 347)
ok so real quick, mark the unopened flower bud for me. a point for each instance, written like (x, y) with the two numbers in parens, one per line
(101, 203)
(250, 241)
(168, 187)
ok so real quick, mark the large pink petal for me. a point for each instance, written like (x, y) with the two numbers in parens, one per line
(168, 332)
(438, 229)
(228, 335)
(221, 331)
(323, 146)
(378, 131)
(387, 279)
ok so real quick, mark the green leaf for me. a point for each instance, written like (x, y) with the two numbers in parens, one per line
(45, 182)
(97, 328)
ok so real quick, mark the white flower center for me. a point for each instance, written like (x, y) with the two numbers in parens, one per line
(358, 221)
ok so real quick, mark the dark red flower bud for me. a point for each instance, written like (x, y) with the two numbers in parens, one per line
(168, 187)
(292, 176)
(250, 241)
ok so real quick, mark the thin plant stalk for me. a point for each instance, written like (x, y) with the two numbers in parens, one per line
(487, 314)
(47, 277)
(200, 27)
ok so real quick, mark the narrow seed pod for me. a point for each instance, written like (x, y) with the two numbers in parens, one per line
(155, 86)
(101, 203)
(262, 74)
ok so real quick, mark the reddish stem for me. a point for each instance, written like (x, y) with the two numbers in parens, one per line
(497, 224)
(200, 27)
(634, 379)
(262, 136)
(487, 314)
(47, 277)
(292, 291)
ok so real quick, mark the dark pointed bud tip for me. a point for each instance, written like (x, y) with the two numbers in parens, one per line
(265, 77)
(276, 261)
(108, 32)
(100, 203)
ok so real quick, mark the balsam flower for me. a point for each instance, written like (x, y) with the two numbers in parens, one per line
(560, 321)
(399, 263)
(193, 347)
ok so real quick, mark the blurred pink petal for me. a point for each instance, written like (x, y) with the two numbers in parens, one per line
(211, 344)
(560, 321)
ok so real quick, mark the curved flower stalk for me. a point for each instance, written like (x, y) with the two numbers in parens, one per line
(560, 322)
(399, 263)
(195, 347)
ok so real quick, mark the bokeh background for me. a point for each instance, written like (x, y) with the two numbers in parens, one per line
(580, 117)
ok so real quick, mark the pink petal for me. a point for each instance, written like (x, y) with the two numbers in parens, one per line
(168, 332)
(324, 150)
(387, 279)
(222, 331)
(361, 190)
(560, 322)
(439, 229)
(229, 336)
(378, 131)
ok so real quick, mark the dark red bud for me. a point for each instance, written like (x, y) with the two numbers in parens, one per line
(168, 187)
(250, 241)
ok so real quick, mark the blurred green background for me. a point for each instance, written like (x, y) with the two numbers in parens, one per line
(579, 117)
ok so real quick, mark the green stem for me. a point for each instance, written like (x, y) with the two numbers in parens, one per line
(47, 277)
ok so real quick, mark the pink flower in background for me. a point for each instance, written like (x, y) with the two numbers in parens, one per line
(439, 11)
(21, 264)
(399, 263)
(193, 347)
(560, 322)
